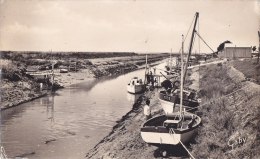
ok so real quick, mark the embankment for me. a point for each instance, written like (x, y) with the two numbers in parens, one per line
(231, 114)
(16, 87)
(226, 122)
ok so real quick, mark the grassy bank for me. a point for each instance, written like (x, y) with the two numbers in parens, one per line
(16, 87)
(250, 68)
(231, 123)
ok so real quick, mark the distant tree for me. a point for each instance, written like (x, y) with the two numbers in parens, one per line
(222, 45)
(254, 48)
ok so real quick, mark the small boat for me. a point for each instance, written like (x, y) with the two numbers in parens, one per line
(135, 86)
(63, 70)
(170, 101)
(171, 129)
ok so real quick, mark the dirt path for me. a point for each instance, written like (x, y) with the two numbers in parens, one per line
(195, 78)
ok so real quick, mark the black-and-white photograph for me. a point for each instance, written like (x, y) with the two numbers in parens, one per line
(129, 79)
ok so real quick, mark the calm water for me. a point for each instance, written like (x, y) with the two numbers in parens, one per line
(75, 119)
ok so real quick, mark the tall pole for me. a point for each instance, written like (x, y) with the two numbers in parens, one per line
(181, 76)
(191, 44)
(258, 47)
(145, 74)
(171, 61)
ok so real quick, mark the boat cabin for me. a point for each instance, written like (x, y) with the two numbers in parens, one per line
(135, 81)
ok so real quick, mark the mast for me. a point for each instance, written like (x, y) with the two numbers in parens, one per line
(145, 74)
(191, 44)
(181, 75)
(258, 47)
(170, 61)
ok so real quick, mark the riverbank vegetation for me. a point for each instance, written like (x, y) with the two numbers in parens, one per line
(16, 86)
(250, 68)
(230, 111)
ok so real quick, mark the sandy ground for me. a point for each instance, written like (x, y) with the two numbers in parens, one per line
(70, 78)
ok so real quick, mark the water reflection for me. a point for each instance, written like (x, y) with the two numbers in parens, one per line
(49, 102)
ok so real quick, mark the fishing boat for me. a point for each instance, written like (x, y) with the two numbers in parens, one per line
(173, 128)
(173, 66)
(171, 101)
(135, 86)
(170, 129)
(170, 97)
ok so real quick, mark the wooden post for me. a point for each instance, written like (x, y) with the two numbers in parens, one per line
(181, 95)
(258, 47)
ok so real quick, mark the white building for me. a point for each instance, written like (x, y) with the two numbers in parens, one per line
(236, 52)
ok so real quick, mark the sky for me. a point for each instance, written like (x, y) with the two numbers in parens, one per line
(125, 25)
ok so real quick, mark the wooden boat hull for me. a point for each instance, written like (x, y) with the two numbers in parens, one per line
(159, 138)
(170, 103)
(133, 97)
(135, 89)
(159, 135)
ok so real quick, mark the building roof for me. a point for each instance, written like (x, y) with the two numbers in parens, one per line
(239, 47)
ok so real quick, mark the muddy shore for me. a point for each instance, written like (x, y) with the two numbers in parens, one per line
(124, 141)
(17, 87)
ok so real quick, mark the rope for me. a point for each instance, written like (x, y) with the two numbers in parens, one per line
(171, 130)
(188, 31)
(204, 41)
(187, 150)
(193, 41)
(199, 31)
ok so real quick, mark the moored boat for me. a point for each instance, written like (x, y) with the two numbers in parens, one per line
(135, 86)
(63, 70)
(170, 101)
(171, 129)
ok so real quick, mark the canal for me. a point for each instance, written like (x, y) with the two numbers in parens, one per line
(69, 122)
